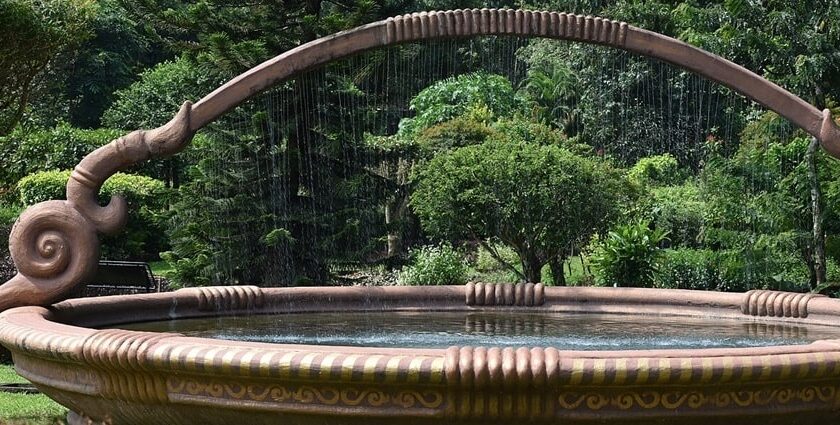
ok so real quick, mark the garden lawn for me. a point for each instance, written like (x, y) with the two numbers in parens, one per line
(28, 409)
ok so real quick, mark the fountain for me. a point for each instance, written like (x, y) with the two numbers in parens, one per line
(84, 354)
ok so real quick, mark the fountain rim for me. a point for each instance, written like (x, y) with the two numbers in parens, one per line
(49, 345)
(65, 329)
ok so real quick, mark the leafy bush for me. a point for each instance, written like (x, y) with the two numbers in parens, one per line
(453, 97)
(688, 269)
(484, 262)
(435, 265)
(143, 237)
(25, 152)
(629, 255)
(657, 170)
(677, 210)
(538, 199)
(155, 99)
(458, 132)
(730, 270)
(8, 215)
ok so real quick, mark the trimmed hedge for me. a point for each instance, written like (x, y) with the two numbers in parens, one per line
(144, 235)
(730, 271)
(25, 152)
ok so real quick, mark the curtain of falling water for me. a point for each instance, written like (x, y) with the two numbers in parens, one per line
(295, 184)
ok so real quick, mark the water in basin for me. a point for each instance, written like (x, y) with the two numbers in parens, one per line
(505, 329)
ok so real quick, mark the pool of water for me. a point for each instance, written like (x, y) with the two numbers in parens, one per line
(503, 328)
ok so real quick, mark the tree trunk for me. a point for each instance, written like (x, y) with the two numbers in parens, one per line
(532, 268)
(818, 233)
(558, 278)
(395, 208)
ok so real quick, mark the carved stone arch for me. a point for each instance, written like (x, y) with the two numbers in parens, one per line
(54, 244)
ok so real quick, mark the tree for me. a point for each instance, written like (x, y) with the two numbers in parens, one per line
(34, 35)
(114, 56)
(537, 199)
(793, 44)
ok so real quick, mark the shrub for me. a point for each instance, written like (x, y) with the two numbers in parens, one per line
(657, 170)
(156, 97)
(730, 270)
(8, 215)
(539, 199)
(677, 210)
(435, 265)
(47, 185)
(453, 97)
(25, 151)
(484, 262)
(628, 256)
(688, 269)
(143, 237)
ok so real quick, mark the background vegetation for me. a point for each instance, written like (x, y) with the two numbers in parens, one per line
(505, 174)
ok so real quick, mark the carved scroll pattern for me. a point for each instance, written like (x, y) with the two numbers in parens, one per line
(54, 244)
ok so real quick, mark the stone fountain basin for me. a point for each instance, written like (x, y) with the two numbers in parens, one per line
(132, 377)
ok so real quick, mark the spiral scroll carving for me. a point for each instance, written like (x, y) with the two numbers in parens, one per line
(54, 244)
(491, 294)
(471, 22)
(761, 302)
(54, 247)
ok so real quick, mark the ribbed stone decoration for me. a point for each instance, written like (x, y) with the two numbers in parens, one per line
(502, 367)
(112, 352)
(225, 298)
(472, 22)
(762, 302)
(491, 294)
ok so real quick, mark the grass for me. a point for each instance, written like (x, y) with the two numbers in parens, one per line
(160, 268)
(577, 276)
(26, 409)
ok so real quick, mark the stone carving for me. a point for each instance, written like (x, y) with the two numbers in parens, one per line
(54, 244)
(491, 294)
(222, 298)
(502, 367)
(471, 22)
(761, 302)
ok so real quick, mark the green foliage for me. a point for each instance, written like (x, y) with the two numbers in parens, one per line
(458, 132)
(677, 210)
(34, 34)
(28, 151)
(728, 270)
(276, 237)
(229, 38)
(435, 265)
(453, 97)
(552, 92)
(118, 50)
(484, 261)
(689, 269)
(157, 96)
(629, 255)
(143, 237)
(479, 192)
(657, 170)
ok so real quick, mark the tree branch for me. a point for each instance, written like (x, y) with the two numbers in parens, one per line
(495, 254)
